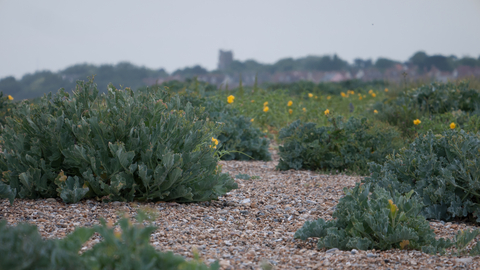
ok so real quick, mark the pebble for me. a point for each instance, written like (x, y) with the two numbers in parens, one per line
(51, 200)
(464, 260)
(117, 203)
(224, 263)
(244, 212)
(354, 251)
(223, 212)
(245, 201)
(332, 250)
(371, 255)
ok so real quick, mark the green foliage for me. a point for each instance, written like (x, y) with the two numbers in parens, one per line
(373, 219)
(444, 171)
(243, 176)
(463, 239)
(6, 106)
(23, 248)
(427, 101)
(237, 135)
(342, 145)
(441, 122)
(120, 146)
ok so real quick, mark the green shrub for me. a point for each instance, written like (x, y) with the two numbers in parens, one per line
(116, 146)
(441, 122)
(237, 135)
(374, 220)
(438, 98)
(343, 145)
(444, 171)
(23, 248)
(426, 102)
(6, 106)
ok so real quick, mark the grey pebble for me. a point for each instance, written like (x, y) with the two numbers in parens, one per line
(371, 255)
(332, 250)
(245, 201)
(354, 251)
(51, 200)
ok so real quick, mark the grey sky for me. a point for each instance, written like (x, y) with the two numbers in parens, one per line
(37, 35)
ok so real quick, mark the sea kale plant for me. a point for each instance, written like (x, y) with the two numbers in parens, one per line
(237, 135)
(127, 247)
(442, 169)
(342, 145)
(122, 145)
(373, 219)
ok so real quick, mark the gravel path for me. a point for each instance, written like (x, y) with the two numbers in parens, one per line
(249, 228)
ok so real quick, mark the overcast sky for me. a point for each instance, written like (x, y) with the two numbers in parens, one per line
(38, 35)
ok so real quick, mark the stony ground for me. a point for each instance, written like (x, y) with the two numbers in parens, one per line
(249, 228)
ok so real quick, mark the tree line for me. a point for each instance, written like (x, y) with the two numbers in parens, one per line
(127, 74)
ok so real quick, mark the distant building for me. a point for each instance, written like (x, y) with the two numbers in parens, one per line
(225, 59)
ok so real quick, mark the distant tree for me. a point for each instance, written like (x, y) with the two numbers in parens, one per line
(384, 63)
(468, 61)
(360, 63)
(418, 59)
(282, 65)
(439, 61)
(321, 63)
(190, 72)
(10, 86)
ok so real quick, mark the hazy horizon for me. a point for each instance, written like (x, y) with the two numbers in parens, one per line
(52, 35)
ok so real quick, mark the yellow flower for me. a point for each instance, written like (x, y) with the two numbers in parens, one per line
(265, 109)
(364, 96)
(289, 103)
(404, 244)
(230, 99)
(329, 97)
(375, 111)
(370, 91)
(265, 103)
(452, 125)
(393, 208)
(118, 234)
(304, 110)
(343, 94)
(310, 95)
(350, 92)
(290, 111)
(327, 111)
(360, 97)
(417, 122)
(316, 97)
(216, 143)
(251, 120)
(253, 101)
(386, 89)
(10, 97)
(374, 95)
